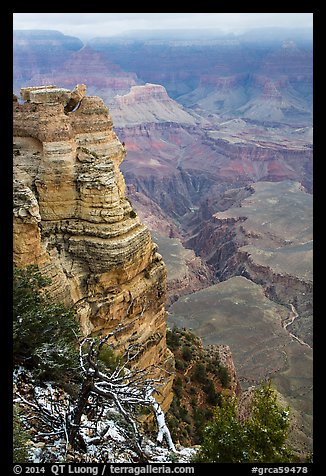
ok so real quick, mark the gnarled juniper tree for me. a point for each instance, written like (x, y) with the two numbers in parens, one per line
(121, 382)
(127, 386)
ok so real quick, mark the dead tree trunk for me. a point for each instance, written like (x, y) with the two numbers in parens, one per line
(74, 426)
(127, 386)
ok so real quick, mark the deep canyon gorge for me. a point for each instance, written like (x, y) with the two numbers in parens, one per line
(210, 142)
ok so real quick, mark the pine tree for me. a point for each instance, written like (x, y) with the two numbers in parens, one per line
(261, 438)
(268, 428)
(224, 437)
(44, 332)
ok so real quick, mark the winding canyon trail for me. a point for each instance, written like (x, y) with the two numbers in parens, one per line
(294, 316)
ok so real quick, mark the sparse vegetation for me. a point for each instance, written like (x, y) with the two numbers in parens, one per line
(44, 333)
(197, 386)
(261, 438)
(20, 437)
(132, 214)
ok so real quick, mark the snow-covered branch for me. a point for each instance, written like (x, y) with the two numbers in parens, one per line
(82, 423)
(49, 409)
(126, 385)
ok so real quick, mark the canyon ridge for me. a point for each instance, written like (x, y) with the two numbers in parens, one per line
(218, 134)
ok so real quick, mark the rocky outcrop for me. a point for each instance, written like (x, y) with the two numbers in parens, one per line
(226, 359)
(72, 218)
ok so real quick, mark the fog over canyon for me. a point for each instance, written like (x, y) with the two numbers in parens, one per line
(218, 166)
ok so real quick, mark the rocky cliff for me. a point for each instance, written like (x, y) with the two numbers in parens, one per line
(72, 218)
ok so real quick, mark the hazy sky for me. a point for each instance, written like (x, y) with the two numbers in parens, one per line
(87, 25)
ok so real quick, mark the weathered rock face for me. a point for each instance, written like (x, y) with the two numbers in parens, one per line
(72, 218)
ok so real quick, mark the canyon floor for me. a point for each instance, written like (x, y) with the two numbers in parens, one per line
(252, 308)
(237, 313)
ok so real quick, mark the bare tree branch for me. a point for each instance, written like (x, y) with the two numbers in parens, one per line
(125, 386)
(128, 387)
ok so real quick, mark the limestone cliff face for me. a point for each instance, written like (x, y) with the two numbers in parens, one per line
(72, 218)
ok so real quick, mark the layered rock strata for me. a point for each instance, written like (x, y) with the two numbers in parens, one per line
(72, 218)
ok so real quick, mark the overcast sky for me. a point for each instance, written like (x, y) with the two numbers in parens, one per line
(86, 25)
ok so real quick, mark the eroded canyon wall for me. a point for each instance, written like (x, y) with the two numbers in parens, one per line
(72, 219)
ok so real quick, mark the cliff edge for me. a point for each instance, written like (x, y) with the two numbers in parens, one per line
(72, 219)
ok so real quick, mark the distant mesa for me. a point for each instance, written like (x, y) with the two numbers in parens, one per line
(148, 103)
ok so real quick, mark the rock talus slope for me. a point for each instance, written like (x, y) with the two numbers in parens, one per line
(72, 218)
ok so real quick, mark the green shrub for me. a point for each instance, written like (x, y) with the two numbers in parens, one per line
(187, 353)
(201, 417)
(179, 365)
(213, 397)
(193, 400)
(44, 333)
(259, 439)
(224, 376)
(177, 384)
(199, 373)
(109, 358)
(183, 412)
(132, 214)
(20, 437)
(172, 339)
